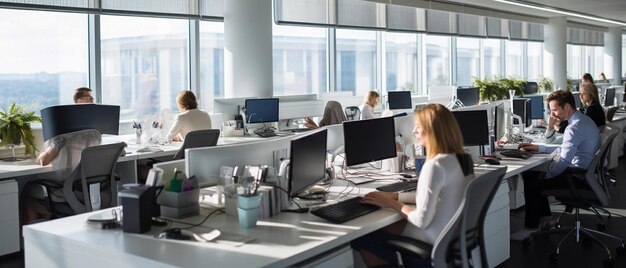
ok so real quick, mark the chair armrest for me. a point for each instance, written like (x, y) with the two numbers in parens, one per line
(410, 247)
(116, 177)
(575, 170)
(50, 183)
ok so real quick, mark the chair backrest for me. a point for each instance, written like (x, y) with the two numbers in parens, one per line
(196, 139)
(595, 173)
(610, 113)
(353, 113)
(468, 221)
(96, 167)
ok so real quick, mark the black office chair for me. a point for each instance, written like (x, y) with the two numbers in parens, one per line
(587, 190)
(96, 168)
(353, 113)
(466, 225)
(196, 139)
(610, 113)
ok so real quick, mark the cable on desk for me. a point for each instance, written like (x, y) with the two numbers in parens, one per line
(192, 225)
(282, 189)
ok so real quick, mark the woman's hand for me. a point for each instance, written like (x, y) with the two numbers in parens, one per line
(308, 122)
(177, 138)
(528, 147)
(382, 199)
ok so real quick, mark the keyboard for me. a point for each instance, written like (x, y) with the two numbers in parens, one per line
(344, 211)
(516, 154)
(265, 133)
(300, 129)
(401, 186)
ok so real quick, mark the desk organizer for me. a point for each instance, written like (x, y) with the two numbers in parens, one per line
(179, 205)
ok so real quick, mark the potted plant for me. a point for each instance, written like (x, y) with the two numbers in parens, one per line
(545, 84)
(15, 128)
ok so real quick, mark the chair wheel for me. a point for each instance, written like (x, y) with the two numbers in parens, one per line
(526, 242)
(601, 227)
(608, 262)
(620, 250)
(554, 257)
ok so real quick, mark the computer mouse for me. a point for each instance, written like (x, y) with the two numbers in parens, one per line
(174, 233)
(406, 176)
(492, 161)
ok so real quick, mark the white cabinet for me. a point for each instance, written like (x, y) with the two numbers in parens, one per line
(496, 227)
(9, 217)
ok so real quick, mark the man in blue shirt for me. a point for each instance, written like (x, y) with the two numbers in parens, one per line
(581, 141)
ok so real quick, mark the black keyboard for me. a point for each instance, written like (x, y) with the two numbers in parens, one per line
(344, 211)
(516, 154)
(265, 133)
(300, 129)
(401, 186)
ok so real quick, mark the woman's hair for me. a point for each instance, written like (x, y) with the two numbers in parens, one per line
(442, 132)
(187, 99)
(370, 98)
(588, 77)
(592, 90)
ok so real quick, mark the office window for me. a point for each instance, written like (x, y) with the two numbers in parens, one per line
(211, 63)
(492, 57)
(514, 59)
(598, 61)
(467, 60)
(401, 52)
(356, 61)
(535, 60)
(144, 64)
(574, 61)
(623, 56)
(42, 60)
(299, 59)
(437, 60)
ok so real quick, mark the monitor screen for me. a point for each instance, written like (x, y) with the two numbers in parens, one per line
(579, 103)
(61, 119)
(531, 88)
(609, 97)
(261, 110)
(499, 125)
(307, 161)
(536, 107)
(474, 127)
(399, 100)
(521, 107)
(469, 96)
(369, 140)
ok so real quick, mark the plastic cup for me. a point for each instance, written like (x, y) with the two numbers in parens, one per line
(248, 217)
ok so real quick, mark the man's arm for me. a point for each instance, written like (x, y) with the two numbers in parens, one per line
(569, 147)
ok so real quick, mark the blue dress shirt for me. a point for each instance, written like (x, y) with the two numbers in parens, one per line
(581, 141)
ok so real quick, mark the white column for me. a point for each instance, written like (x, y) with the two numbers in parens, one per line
(248, 48)
(555, 51)
(613, 55)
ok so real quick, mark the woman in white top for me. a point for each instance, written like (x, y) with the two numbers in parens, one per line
(370, 101)
(440, 187)
(190, 118)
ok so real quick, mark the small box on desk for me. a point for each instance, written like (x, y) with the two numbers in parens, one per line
(179, 204)
(137, 204)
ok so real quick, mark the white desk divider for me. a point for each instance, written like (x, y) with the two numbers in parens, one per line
(169, 167)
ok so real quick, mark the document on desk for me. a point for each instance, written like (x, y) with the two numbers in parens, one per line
(233, 239)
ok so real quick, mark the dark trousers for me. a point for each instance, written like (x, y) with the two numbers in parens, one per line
(537, 205)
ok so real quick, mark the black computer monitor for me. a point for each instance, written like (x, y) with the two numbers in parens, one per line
(522, 107)
(399, 100)
(307, 161)
(262, 110)
(609, 96)
(577, 101)
(499, 117)
(369, 140)
(469, 96)
(536, 107)
(474, 127)
(61, 119)
(531, 88)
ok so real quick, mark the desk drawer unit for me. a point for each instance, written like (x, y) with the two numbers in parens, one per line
(497, 227)
(9, 217)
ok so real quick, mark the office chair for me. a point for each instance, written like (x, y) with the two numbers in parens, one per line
(95, 171)
(610, 113)
(466, 225)
(353, 113)
(594, 194)
(196, 139)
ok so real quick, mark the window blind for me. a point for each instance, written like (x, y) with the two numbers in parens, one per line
(441, 22)
(361, 14)
(315, 12)
(471, 25)
(403, 18)
(585, 37)
(497, 28)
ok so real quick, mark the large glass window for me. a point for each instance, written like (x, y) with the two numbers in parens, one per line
(356, 61)
(492, 57)
(535, 61)
(43, 57)
(401, 54)
(598, 61)
(574, 60)
(144, 63)
(299, 59)
(514, 59)
(467, 60)
(211, 63)
(623, 56)
(437, 60)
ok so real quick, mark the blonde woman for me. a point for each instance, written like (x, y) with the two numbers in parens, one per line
(371, 99)
(440, 187)
(190, 118)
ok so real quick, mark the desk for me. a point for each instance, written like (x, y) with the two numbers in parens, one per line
(284, 240)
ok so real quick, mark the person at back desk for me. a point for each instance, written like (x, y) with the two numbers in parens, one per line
(440, 187)
(581, 141)
(371, 99)
(333, 114)
(190, 118)
(590, 97)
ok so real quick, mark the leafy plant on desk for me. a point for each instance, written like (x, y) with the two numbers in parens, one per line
(545, 84)
(15, 127)
(498, 87)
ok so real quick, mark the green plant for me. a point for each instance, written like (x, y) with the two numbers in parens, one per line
(510, 83)
(15, 127)
(498, 88)
(569, 83)
(545, 84)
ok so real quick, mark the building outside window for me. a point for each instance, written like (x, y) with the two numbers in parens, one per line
(401, 56)
(437, 60)
(467, 60)
(356, 61)
(492, 55)
(514, 59)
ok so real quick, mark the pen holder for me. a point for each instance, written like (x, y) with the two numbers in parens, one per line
(179, 204)
(228, 131)
(249, 209)
(138, 134)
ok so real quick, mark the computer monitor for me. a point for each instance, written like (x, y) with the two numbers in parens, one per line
(531, 88)
(307, 161)
(536, 107)
(474, 127)
(261, 110)
(61, 119)
(609, 97)
(399, 100)
(369, 140)
(469, 96)
(578, 102)
(499, 126)
(522, 108)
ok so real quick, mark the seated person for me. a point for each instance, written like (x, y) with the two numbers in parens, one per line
(190, 118)
(440, 187)
(333, 114)
(371, 99)
(83, 95)
(63, 152)
(590, 98)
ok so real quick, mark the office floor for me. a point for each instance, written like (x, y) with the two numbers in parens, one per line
(535, 255)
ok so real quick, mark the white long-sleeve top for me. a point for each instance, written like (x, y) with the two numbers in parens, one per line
(440, 189)
(367, 112)
(185, 122)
